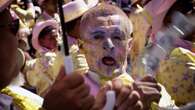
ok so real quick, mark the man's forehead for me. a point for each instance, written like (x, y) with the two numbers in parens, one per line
(110, 21)
(107, 20)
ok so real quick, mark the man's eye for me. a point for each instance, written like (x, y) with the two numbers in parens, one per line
(97, 37)
(117, 38)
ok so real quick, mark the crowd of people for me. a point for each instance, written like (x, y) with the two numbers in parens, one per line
(141, 50)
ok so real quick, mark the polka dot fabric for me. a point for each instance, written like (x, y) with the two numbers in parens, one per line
(177, 74)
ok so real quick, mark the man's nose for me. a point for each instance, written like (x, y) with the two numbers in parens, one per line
(108, 44)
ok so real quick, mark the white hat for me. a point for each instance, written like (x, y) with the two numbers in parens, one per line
(37, 29)
(4, 4)
(91, 3)
(77, 8)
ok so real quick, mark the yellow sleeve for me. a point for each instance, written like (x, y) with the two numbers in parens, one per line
(23, 13)
(20, 11)
(41, 75)
(79, 61)
(20, 101)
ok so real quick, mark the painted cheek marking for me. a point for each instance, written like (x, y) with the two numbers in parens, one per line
(110, 43)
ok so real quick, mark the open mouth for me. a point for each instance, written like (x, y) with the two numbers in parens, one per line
(109, 61)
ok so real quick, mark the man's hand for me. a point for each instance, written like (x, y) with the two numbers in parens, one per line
(127, 98)
(149, 91)
(100, 100)
(68, 93)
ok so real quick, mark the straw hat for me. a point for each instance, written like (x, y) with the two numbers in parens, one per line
(4, 4)
(77, 8)
(38, 28)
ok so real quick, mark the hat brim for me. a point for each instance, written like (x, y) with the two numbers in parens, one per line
(92, 3)
(78, 13)
(75, 15)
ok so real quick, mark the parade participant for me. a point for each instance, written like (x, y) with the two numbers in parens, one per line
(25, 11)
(39, 71)
(73, 12)
(106, 35)
(26, 14)
(63, 93)
(178, 69)
(49, 10)
(174, 68)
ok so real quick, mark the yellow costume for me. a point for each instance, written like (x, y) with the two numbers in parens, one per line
(177, 74)
(42, 72)
(26, 16)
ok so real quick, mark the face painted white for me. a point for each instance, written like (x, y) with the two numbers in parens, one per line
(106, 44)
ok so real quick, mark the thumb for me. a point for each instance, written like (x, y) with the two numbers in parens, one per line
(117, 84)
(61, 74)
(101, 97)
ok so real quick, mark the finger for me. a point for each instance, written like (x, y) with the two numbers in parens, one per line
(137, 106)
(101, 98)
(117, 85)
(149, 78)
(61, 74)
(147, 84)
(123, 95)
(150, 94)
(130, 101)
(87, 102)
(133, 97)
(74, 80)
(123, 106)
(82, 91)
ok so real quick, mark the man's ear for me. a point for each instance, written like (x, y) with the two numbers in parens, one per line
(130, 42)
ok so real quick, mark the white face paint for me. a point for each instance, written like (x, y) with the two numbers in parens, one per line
(106, 44)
